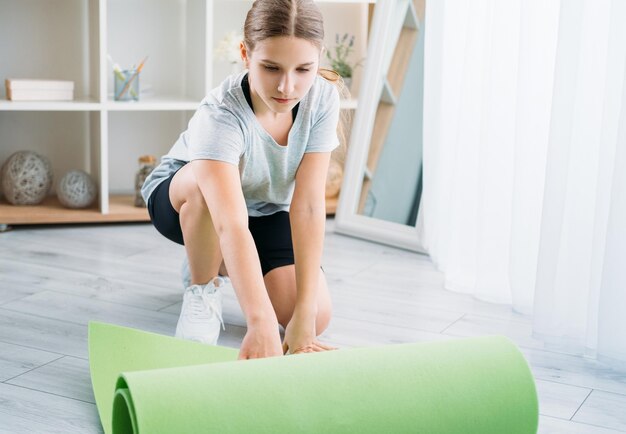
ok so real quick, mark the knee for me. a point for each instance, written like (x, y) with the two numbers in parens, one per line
(281, 285)
(195, 197)
(194, 201)
(185, 194)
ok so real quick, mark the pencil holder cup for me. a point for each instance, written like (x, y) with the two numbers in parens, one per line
(126, 85)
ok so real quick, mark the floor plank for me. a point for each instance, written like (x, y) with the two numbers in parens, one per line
(605, 409)
(560, 400)
(16, 360)
(26, 279)
(55, 336)
(66, 376)
(519, 330)
(81, 310)
(551, 425)
(28, 411)
(575, 370)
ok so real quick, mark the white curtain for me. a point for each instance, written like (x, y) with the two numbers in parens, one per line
(524, 196)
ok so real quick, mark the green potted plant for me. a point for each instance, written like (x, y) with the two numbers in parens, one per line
(338, 57)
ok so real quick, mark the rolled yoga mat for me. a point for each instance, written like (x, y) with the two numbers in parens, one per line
(149, 383)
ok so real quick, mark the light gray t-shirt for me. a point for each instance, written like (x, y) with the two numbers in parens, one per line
(224, 128)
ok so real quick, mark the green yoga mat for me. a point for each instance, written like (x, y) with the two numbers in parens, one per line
(149, 383)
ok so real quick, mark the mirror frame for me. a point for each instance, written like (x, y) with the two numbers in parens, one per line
(347, 220)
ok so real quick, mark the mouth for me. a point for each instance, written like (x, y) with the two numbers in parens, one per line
(282, 100)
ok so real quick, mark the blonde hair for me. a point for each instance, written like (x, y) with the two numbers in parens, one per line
(300, 19)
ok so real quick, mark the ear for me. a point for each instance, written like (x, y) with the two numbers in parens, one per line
(244, 53)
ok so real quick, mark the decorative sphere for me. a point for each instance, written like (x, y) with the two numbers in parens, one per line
(334, 179)
(26, 178)
(76, 189)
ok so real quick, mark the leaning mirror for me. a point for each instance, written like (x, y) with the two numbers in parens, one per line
(382, 185)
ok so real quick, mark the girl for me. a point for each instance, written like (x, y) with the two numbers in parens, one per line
(244, 187)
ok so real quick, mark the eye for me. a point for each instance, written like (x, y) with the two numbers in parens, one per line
(303, 70)
(270, 68)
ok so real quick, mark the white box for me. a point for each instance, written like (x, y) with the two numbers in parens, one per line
(39, 90)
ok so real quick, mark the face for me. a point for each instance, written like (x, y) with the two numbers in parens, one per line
(281, 70)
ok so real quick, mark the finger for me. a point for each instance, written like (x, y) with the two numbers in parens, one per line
(300, 350)
(324, 346)
(311, 348)
(321, 347)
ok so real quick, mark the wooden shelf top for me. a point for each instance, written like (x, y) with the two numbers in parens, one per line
(51, 211)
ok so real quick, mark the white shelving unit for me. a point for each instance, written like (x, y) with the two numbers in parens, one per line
(70, 40)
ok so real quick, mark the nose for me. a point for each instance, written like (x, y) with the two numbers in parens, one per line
(286, 84)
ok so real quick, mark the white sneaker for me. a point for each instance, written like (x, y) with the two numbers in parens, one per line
(201, 313)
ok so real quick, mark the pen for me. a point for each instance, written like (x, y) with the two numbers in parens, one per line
(132, 77)
(118, 73)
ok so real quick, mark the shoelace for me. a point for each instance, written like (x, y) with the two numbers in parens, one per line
(202, 304)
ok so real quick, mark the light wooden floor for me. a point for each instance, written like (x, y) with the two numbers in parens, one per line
(53, 280)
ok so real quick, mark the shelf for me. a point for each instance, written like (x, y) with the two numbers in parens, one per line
(70, 40)
(51, 40)
(156, 104)
(171, 34)
(86, 104)
(153, 104)
(51, 211)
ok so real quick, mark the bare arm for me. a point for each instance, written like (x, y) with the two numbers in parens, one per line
(308, 220)
(221, 188)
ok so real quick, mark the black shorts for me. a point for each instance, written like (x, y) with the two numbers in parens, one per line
(271, 234)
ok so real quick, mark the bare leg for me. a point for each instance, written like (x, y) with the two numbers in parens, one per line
(201, 240)
(281, 287)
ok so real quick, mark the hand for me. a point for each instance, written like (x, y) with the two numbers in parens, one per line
(261, 340)
(300, 336)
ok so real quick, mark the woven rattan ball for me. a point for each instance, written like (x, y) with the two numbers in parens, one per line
(334, 179)
(26, 178)
(76, 189)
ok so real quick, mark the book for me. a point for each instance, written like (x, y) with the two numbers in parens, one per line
(39, 90)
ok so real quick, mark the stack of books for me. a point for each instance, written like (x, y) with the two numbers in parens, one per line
(39, 90)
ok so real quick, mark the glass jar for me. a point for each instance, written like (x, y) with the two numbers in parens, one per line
(147, 163)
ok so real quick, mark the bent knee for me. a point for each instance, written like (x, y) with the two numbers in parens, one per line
(281, 285)
(184, 190)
